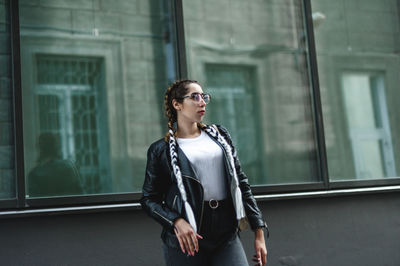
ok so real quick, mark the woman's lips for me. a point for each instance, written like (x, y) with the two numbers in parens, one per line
(202, 112)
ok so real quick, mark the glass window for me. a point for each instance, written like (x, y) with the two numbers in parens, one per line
(92, 80)
(7, 173)
(234, 105)
(358, 59)
(251, 57)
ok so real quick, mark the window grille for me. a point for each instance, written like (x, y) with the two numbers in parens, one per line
(69, 104)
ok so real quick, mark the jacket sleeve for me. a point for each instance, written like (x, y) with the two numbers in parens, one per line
(253, 213)
(154, 189)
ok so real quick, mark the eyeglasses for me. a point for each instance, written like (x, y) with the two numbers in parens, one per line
(196, 96)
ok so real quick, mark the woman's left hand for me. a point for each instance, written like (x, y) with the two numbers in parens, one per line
(261, 251)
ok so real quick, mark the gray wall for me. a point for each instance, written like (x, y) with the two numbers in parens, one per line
(351, 230)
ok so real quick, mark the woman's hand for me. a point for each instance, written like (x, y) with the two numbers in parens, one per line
(261, 251)
(186, 236)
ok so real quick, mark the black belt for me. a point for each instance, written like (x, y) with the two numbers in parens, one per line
(215, 204)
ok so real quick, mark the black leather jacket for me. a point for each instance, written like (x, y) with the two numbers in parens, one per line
(161, 197)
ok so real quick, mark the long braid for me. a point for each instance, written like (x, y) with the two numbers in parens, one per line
(168, 112)
(176, 91)
(177, 171)
(231, 154)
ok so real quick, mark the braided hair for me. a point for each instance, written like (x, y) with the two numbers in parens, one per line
(176, 91)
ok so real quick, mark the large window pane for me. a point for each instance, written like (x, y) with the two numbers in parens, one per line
(252, 58)
(359, 64)
(7, 179)
(93, 74)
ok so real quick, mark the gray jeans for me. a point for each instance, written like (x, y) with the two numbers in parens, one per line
(231, 253)
(220, 244)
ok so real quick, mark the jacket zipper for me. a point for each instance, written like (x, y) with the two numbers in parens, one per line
(202, 201)
(170, 222)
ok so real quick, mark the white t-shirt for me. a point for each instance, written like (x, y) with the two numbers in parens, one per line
(207, 159)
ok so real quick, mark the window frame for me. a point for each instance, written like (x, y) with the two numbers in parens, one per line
(106, 52)
(17, 101)
(20, 202)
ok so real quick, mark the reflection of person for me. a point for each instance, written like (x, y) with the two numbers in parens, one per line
(52, 176)
(195, 187)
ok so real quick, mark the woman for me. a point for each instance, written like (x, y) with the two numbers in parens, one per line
(195, 187)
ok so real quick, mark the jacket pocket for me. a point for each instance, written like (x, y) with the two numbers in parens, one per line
(177, 203)
(174, 200)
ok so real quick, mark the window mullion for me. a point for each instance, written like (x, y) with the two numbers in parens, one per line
(17, 101)
(180, 39)
(317, 106)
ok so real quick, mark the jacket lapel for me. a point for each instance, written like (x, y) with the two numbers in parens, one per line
(226, 163)
(185, 165)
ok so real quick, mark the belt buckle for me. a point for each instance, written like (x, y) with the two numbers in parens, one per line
(213, 204)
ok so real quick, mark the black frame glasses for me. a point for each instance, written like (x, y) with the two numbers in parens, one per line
(196, 96)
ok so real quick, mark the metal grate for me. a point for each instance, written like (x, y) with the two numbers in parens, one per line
(68, 70)
(68, 95)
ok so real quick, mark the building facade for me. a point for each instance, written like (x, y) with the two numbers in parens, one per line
(308, 89)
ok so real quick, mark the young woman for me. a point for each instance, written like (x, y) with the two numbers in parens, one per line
(195, 187)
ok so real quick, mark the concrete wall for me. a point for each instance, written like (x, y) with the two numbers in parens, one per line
(346, 231)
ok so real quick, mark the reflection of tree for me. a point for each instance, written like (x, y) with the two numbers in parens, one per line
(52, 176)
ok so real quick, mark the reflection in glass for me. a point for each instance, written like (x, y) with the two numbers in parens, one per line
(358, 58)
(68, 95)
(234, 106)
(367, 122)
(53, 175)
(7, 147)
(92, 76)
(252, 58)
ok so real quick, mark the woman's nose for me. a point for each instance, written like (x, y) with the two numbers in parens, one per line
(202, 102)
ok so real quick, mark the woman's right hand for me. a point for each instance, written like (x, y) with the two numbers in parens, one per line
(187, 237)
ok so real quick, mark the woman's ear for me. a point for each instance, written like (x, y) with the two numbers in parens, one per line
(176, 105)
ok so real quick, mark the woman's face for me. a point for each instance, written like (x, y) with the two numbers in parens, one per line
(189, 110)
